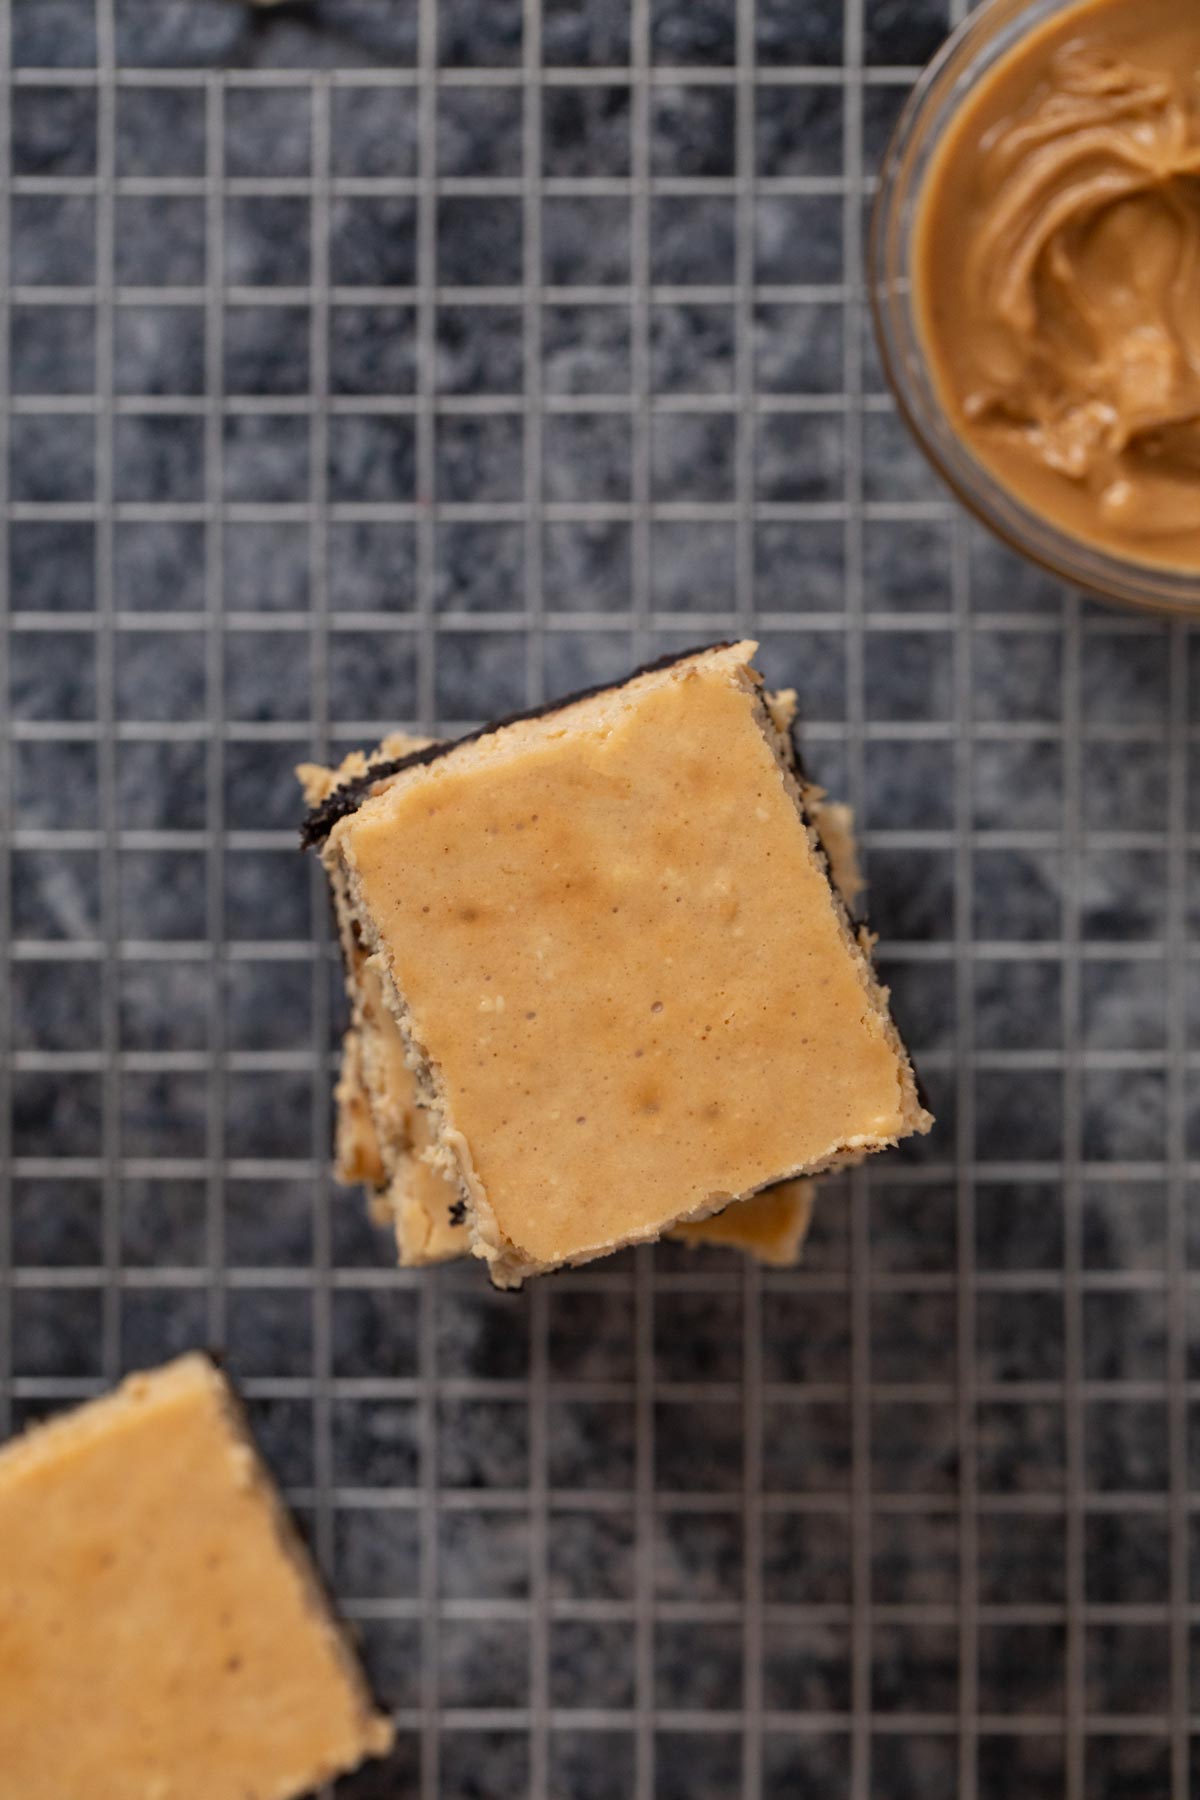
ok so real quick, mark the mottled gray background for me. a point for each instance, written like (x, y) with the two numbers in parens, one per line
(377, 362)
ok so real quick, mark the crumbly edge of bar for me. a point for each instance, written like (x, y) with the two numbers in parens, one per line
(398, 1203)
(389, 1194)
(507, 1264)
(348, 923)
(347, 796)
(42, 1444)
(346, 929)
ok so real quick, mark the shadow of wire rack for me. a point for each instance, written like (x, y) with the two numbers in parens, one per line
(382, 361)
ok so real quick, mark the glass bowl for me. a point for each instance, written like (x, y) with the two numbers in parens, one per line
(989, 33)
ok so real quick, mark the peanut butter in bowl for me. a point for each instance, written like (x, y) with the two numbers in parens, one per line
(1055, 275)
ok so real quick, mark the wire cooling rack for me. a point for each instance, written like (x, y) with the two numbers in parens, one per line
(373, 363)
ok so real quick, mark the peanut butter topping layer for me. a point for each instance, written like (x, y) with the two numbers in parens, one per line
(622, 966)
(1057, 272)
(162, 1635)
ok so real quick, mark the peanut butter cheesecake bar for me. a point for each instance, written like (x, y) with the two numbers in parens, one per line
(420, 1201)
(625, 983)
(162, 1631)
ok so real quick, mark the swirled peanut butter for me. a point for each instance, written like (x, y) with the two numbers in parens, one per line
(1057, 275)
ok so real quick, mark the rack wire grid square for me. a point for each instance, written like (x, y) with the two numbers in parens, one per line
(376, 361)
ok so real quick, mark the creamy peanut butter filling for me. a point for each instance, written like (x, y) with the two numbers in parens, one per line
(1057, 273)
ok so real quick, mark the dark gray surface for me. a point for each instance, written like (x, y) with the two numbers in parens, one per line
(946, 1502)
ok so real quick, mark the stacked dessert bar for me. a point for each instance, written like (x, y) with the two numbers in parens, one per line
(603, 979)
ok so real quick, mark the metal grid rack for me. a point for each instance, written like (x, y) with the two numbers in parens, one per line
(343, 377)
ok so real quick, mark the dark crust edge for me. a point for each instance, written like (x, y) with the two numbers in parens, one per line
(349, 797)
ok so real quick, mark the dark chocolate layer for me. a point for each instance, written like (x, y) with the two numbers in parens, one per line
(348, 798)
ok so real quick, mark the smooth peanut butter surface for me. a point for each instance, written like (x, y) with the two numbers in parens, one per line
(1057, 275)
(162, 1636)
(620, 954)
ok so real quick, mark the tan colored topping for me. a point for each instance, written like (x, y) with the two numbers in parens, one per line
(1058, 264)
(162, 1634)
(833, 821)
(621, 960)
(770, 1226)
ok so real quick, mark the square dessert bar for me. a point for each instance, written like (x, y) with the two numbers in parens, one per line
(626, 984)
(162, 1631)
(383, 1135)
